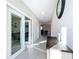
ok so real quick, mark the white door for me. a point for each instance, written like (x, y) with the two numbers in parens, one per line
(15, 33)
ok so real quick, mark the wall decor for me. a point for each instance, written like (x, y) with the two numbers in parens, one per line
(60, 8)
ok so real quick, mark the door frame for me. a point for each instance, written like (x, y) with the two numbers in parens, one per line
(10, 11)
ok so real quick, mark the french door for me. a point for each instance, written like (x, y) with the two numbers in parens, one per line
(15, 33)
(28, 31)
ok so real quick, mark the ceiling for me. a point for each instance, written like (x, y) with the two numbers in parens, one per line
(43, 9)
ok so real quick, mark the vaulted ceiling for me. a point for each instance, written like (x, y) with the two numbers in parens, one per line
(43, 9)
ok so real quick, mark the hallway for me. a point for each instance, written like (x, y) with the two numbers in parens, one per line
(31, 22)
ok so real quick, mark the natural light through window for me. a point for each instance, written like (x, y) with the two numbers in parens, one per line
(64, 35)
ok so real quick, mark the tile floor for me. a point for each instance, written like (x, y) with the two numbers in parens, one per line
(32, 53)
(42, 38)
(37, 51)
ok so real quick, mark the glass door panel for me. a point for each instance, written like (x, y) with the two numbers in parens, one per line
(26, 31)
(15, 34)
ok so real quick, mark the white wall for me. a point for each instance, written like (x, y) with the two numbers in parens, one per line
(35, 23)
(65, 21)
(36, 30)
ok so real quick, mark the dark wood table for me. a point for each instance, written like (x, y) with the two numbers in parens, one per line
(51, 41)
